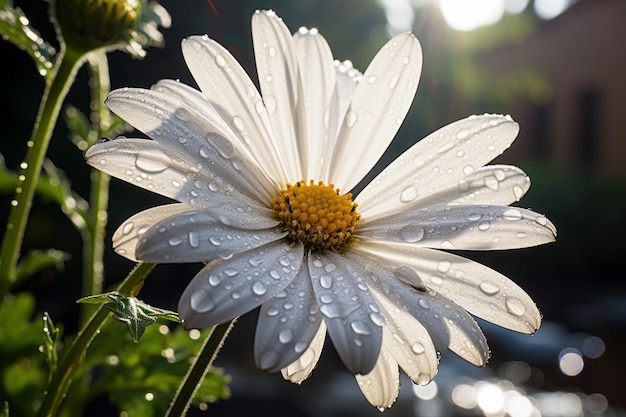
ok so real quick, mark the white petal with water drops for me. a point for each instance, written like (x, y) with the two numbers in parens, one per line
(196, 236)
(381, 386)
(438, 161)
(377, 109)
(480, 290)
(228, 288)
(287, 324)
(462, 227)
(349, 310)
(301, 368)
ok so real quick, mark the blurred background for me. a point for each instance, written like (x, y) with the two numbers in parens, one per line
(557, 66)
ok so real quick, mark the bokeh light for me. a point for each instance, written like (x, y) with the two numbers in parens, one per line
(571, 362)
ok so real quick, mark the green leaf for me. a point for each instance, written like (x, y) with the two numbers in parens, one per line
(37, 260)
(15, 27)
(136, 314)
(50, 337)
(55, 186)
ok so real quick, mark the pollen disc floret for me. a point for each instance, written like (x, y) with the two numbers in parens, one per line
(317, 215)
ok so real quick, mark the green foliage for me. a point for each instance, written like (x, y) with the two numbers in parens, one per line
(25, 373)
(38, 260)
(15, 27)
(141, 378)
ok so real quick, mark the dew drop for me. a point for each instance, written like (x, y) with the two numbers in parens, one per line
(200, 301)
(424, 303)
(484, 226)
(412, 233)
(285, 336)
(215, 241)
(326, 281)
(238, 123)
(443, 266)
(462, 134)
(272, 312)
(230, 272)
(541, 220)
(489, 288)
(236, 295)
(418, 348)
(259, 288)
(194, 239)
(214, 280)
(359, 327)
(274, 274)
(419, 160)
(271, 52)
(515, 306)
(512, 214)
(220, 60)
(300, 347)
(351, 118)
(371, 79)
(148, 162)
(377, 319)
(128, 227)
(393, 82)
(408, 194)
(472, 217)
(468, 169)
(174, 241)
(423, 379)
(183, 114)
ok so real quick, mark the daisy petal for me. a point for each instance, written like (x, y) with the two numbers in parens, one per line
(381, 386)
(301, 368)
(480, 290)
(223, 290)
(209, 145)
(147, 164)
(377, 110)
(447, 323)
(275, 59)
(462, 227)
(127, 236)
(440, 160)
(197, 236)
(408, 342)
(317, 79)
(499, 185)
(287, 324)
(225, 83)
(349, 310)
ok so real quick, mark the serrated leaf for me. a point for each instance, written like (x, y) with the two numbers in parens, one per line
(136, 314)
(15, 27)
(37, 260)
(50, 337)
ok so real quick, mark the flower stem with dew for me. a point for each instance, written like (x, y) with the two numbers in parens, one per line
(70, 362)
(56, 89)
(198, 370)
(93, 272)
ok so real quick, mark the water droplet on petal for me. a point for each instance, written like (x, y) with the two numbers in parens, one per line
(148, 162)
(377, 319)
(200, 301)
(194, 239)
(484, 226)
(443, 266)
(238, 123)
(183, 114)
(230, 272)
(128, 227)
(424, 303)
(412, 233)
(462, 134)
(393, 82)
(359, 327)
(518, 192)
(423, 379)
(418, 348)
(175, 241)
(300, 347)
(515, 306)
(220, 60)
(259, 288)
(408, 194)
(326, 281)
(285, 336)
(512, 214)
(489, 288)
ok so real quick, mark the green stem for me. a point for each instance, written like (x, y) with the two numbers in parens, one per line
(69, 364)
(93, 252)
(198, 370)
(68, 64)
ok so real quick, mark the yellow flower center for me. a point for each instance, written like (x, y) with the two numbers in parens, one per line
(316, 215)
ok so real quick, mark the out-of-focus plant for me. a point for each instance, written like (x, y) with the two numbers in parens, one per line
(44, 371)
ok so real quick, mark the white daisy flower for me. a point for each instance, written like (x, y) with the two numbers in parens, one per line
(257, 177)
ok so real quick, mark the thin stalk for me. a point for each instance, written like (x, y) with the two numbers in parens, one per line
(93, 249)
(70, 362)
(56, 89)
(198, 370)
